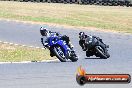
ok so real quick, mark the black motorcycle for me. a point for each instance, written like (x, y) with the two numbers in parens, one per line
(95, 46)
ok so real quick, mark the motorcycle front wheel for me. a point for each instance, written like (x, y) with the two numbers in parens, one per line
(59, 53)
(101, 53)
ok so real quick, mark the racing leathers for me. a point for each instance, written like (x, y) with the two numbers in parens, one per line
(45, 39)
(83, 42)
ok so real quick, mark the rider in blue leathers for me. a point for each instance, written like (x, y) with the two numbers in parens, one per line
(46, 34)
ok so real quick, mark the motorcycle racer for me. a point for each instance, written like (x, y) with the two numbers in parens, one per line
(46, 34)
(88, 38)
(93, 45)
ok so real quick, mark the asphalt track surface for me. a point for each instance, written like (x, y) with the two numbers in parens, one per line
(57, 74)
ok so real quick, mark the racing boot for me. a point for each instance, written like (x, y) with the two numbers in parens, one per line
(51, 52)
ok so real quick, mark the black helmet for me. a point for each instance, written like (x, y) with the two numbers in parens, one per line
(81, 35)
(43, 31)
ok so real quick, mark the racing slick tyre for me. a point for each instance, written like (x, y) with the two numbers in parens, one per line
(59, 53)
(101, 52)
(88, 53)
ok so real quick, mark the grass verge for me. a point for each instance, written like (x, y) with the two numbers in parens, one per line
(11, 53)
(103, 17)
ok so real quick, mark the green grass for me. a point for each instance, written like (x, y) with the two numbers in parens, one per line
(11, 53)
(102, 17)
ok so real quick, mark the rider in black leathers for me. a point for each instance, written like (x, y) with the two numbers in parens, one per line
(45, 33)
(85, 38)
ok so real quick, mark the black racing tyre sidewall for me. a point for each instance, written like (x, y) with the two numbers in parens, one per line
(88, 54)
(57, 55)
(101, 54)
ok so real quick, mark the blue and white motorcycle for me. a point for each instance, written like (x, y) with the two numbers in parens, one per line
(60, 49)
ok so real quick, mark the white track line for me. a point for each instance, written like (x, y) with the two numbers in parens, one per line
(26, 61)
(21, 45)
